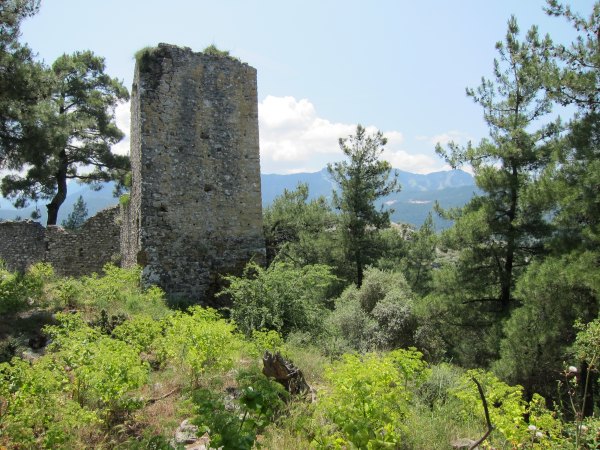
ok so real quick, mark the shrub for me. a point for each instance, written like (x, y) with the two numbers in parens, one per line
(368, 400)
(140, 332)
(281, 298)
(23, 291)
(102, 370)
(35, 408)
(236, 426)
(118, 291)
(198, 340)
(508, 409)
(378, 316)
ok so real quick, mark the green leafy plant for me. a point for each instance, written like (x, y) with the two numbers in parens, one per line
(198, 340)
(102, 370)
(236, 426)
(368, 399)
(24, 291)
(508, 410)
(36, 410)
(118, 291)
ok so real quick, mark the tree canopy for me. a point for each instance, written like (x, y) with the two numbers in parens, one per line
(74, 128)
(22, 80)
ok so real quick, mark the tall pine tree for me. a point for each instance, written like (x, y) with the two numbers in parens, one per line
(498, 233)
(362, 180)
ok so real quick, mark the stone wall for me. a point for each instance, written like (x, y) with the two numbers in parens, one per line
(71, 252)
(87, 249)
(195, 205)
(21, 244)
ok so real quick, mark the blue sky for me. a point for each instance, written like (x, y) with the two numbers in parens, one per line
(323, 66)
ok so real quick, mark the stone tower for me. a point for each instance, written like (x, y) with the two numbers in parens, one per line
(195, 203)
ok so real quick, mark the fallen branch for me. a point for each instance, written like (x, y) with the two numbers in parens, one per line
(487, 416)
(151, 401)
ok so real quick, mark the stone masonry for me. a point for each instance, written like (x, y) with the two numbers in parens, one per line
(195, 203)
(71, 252)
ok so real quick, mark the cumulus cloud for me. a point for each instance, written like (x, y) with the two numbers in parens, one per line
(293, 138)
(123, 119)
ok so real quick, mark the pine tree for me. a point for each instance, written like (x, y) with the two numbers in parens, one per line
(78, 216)
(74, 128)
(498, 233)
(362, 180)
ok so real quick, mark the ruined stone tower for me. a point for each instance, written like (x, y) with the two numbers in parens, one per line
(195, 202)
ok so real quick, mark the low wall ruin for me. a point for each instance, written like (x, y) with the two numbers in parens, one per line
(71, 252)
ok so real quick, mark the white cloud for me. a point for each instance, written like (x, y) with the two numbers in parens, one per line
(123, 119)
(445, 138)
(293, 136)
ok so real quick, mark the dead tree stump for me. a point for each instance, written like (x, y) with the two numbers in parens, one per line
(285, 373)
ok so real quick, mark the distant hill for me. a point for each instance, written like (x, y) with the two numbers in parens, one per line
(95, 200)
(411, 205)
(419, 192)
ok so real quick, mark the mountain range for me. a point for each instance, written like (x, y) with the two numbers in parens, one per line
(411, 205)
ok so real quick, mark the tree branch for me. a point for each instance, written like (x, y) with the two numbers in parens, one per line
(487, 416)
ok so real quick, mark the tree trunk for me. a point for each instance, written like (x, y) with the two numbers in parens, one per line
(507, 275)
(61, 190)
(359, 269)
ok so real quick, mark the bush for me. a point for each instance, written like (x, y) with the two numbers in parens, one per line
(508, 410)
(378, 316)
(19, 292)
(198, 340)
(236, 426)
(281, 298)
(36, 410)
(102, 370)
(118, 291)
(368, 400)
(140, 332)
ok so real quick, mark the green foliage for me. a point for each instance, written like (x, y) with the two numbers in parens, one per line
(23, 82)
(144, 52)
(198, 340)
(124, 200)
(418, 263)
(140, 332)
(266, 340)
(362, 180)
(77, 217)
(349, 325)
(368, 400)
(281, 297)
(36, 410)
(85, 379)
(301, 231)
(587, 343)
(118, 291)
(24, 291)
(508, 409)
(102, 370)
(259, 402)
(556, 293)
(498, 233)
(214, 51)
(381, 315)
(74, 126)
